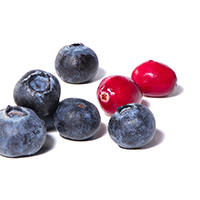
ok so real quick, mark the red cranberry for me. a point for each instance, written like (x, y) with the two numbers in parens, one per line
(116, 91)
(154, 79)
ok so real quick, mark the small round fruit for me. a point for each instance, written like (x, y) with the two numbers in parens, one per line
(49, 121)
(22, 132)
(76, 63)
(38, 90)
(115, 91)
(154, 79)
(132, 126)
(77, 119)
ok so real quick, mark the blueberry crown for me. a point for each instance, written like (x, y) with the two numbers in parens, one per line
(12, 111)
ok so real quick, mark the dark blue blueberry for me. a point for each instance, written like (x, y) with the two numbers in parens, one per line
(132, 126)
(77, 119)
(76, 63)
(38, 90)
(22, 132)
(49, 121)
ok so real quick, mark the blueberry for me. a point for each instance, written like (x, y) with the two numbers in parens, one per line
(77, 119)
(49, 121)
(76, 63)
(132, 126)
(22, 132)
(38, 90)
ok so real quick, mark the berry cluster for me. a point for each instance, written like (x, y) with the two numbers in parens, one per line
(38, 107)
(132, 125)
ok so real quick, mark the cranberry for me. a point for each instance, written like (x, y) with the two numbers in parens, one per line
(116, 91)
(154, 79)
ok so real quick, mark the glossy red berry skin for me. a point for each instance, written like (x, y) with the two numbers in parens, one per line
(154, 79)
(116, 91)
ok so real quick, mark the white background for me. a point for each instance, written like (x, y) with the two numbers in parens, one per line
(123, 34)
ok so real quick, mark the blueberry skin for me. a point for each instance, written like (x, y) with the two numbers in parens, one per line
(132, 126)
(77, 119)
(76, 63)
(49, 122)
(38, 90)
(22, 132)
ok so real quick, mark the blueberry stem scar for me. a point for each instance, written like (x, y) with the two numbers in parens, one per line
(39, 83)
(80, 105)
(124, 109)
(15, 111)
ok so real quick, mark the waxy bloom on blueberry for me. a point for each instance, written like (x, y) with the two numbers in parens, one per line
(22, 132)
(132, 126)
(77, 119)
(76, 63)
(38, 90)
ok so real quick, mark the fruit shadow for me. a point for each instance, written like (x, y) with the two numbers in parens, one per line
(158, 139)
(100, 133)
(48, 145)
(145, 103)
(100, 74)
(177, 91)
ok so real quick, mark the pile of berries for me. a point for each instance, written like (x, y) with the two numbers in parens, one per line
(38, 107)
